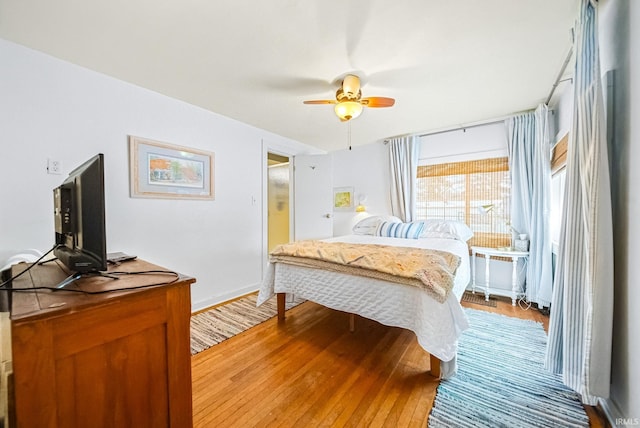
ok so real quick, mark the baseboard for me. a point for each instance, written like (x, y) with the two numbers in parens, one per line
(221, 298)
(613, 413)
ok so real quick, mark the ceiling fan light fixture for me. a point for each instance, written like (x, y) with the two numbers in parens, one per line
(347, 110)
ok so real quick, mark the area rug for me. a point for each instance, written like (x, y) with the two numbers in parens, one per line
(478, 299)
(225, 321)
(501, 380)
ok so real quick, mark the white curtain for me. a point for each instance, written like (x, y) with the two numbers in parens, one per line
(403, 156)
(580, 329)
(529, 164)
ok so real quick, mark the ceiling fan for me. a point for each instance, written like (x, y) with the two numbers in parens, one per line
(349, 102)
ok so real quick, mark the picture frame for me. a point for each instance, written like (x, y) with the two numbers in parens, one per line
(342, 198)
(169, 171)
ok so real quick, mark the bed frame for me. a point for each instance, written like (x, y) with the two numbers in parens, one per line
(434, 362)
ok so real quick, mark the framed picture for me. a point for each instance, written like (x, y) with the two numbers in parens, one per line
(342, 198)
(162, 170)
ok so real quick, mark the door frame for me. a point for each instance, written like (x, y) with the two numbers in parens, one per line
(281, 150)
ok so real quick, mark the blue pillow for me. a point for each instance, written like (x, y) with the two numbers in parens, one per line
(411, 230)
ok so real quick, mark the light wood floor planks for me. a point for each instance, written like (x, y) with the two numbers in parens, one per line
(310, 371)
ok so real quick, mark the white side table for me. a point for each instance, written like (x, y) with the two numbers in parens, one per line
(488, 253)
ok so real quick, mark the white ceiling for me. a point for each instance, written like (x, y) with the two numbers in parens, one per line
(446, 63)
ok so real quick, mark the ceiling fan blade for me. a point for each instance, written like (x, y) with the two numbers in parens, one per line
(320, 102)
(377, 102)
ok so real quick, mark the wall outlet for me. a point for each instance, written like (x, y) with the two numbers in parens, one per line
(54, 166)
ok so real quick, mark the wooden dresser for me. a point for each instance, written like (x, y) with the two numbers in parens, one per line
(118, 359)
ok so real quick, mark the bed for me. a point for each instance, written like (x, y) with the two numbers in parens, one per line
(437, 325)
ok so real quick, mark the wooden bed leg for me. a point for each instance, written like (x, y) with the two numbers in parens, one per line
(352, 322)
(435, 366)
(281, 305)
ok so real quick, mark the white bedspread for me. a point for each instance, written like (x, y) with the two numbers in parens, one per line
(437, 325)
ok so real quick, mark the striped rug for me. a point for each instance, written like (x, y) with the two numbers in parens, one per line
(501, 381)
(222, 322)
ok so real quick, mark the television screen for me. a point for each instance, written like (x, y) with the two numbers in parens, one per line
(79, 216)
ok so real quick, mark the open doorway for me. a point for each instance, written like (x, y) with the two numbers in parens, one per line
(278, 190)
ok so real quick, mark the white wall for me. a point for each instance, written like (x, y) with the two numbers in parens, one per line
(619, 34)
(477, 142)
(53, 109)
(366, 169)
(562, 111)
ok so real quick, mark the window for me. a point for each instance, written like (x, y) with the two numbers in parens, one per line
(558, 180)
(557, 198)
(460, 191)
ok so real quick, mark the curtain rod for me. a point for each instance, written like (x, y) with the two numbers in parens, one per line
(559, 77)
(463, 127)
(467, 126)
(465, 153)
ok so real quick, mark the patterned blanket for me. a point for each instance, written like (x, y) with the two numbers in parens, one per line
(431, 270)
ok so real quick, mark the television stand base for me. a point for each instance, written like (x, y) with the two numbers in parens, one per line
(76, 276)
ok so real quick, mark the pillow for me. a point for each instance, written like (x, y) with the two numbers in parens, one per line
(449, 229)
(411, 230)
(369, 225)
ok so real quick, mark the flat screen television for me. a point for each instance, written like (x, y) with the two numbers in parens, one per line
(79, 217)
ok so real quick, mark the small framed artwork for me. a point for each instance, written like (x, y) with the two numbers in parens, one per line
(342, 198)
(163, 170)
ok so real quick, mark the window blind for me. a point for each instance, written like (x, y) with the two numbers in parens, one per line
(459, 190)
(559, 155)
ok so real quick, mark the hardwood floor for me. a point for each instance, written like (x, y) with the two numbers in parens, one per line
(310, 371)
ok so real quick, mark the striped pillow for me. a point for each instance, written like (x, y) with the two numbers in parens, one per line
(400, 230)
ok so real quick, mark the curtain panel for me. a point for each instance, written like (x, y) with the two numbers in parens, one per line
(403, 157)
(580, 328)
(529, 163)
